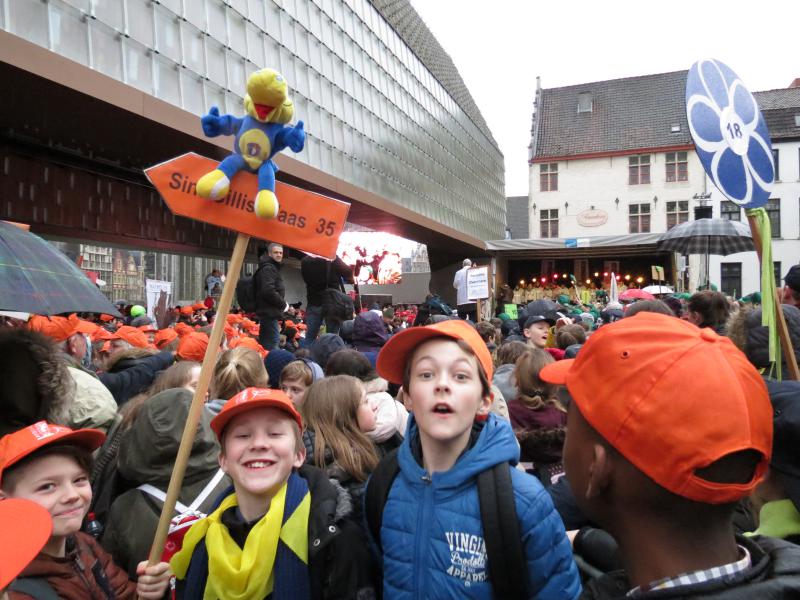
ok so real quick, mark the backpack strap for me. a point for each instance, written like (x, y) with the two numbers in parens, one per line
(35, 587)
(377, 493)
(506, 556)
(206, 491)
(160, 495)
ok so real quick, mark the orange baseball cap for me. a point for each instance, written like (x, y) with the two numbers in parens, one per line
(164, 337)
(183, 329)
(102, 333)
(396, 352)
(248, 342)
(671, 398)
(133, 336)
(199, 306)
(187, 310)
(23, 442)
(60, 328)
(234, 318)
(147, 328)
(106, 318)
(251, 398)
(193, 346)
(25, 528)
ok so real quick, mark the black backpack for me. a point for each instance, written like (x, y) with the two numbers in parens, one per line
(246, 292)
(438, 306)
(336, 305)
(506, 556)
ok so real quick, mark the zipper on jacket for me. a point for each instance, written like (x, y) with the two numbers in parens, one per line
(423, 538)
(77, 564)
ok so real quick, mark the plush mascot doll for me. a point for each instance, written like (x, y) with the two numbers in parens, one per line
(260, 135)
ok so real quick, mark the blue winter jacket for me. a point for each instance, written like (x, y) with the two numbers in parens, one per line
(432, 536)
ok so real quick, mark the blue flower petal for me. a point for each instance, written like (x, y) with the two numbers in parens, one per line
(705, 122)
(743, 104)
(731, 175)
(715, 83)
(760, 161)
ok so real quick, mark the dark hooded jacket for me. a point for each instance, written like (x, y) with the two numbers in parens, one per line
(369, 332)
(147, 455)
(752, 338)
(132, 372)
(773, 575)
(324, 346)
(270, 291)
(319, 274)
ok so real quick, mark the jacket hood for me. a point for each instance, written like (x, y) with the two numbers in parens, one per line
(496, 444)
(324, 346)
(94, 406)
(266, 259)
(369, 332)
(379, 384)
(750, 336)
(127, 358)
(505, 381)
(148, 450)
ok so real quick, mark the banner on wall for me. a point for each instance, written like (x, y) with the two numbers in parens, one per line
(158, 293)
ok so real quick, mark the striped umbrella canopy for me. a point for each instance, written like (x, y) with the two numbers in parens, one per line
(38, 278)
(707, 236)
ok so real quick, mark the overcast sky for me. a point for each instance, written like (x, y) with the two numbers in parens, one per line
(499, 48)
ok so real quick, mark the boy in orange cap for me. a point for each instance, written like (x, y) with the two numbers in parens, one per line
(50, 465)
(193, 346)
(286, 514)
(665, 433)
(164, 337)
(451, 439)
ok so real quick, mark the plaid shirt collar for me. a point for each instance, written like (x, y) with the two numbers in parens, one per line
(694, 577)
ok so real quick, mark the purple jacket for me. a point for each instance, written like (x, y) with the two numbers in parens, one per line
(369, 332)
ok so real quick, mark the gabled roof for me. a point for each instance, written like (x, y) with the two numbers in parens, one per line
(412, 30)
(634, 113)
(779, 108)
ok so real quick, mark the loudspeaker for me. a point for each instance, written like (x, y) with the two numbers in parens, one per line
(702, 212)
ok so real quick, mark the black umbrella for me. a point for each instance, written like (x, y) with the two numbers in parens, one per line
(707, 236)
(38, 278)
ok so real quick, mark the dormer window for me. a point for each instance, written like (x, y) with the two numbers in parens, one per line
(585, 102)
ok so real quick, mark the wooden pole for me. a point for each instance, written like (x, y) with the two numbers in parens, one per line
(783, 330)
(198, 402)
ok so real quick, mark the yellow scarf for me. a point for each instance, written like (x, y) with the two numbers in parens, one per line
(247, 573)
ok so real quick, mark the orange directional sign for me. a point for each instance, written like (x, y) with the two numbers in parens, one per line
(307, 221)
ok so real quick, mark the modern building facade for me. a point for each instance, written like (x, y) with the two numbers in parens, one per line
(95, 91)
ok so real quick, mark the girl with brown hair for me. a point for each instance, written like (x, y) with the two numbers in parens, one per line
(337, 415)
(236, 370)
(539, 420)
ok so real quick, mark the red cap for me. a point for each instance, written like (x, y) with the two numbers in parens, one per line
(249, 399)
(396, 352)
(25, 528)
(672, 399)
(164, 337)
(16, 446)
(133, 336)
(193, 346)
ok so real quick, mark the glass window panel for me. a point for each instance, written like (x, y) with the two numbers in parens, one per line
(214, 95)
(314, 21)
(255, 47)
(237, 37)
(287, 65)
(215, 55)
(239, 5)
(106, 49)
(287, 30)
(28, 20)
(338, 41)
(338, 102)
(234, 105)
(192, 92)
(289, 6)
(108, 11)
(300, 82)
(193, 51)
(236, 78)
(272, 55)
(301, 13)
(215, 11)
(272, 15)
(168, 87)
(173, 5)
(249, 69)
(167, 34)
(301, 42)
(138, 66)
(195, 13)
(315, 54)
(256, 12)
(327, 32)
(313, 85)
(70, 36)
(348, 80)
(140, 21)
(327, 62)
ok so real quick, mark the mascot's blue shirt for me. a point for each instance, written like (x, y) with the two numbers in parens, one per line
(256, 141)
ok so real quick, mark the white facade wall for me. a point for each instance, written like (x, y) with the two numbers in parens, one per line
(598, 182)
(786, 248)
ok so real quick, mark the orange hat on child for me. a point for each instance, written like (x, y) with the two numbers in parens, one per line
(25, 528)
(396, 352)
(248, 342)
(183, 329)
(251, 398)
(187, 310)
(164, 337)
(672, 399)
(23, 442)
(133, 336)
(193, 346)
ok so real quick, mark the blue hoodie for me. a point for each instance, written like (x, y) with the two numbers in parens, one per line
(432, 536)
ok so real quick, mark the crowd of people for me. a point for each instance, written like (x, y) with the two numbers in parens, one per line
(644, 450)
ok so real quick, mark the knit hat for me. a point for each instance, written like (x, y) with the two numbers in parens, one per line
(275, 362)
(643, 384)
(137, 310)
(193, 346)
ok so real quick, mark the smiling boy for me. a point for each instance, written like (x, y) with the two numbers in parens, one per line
(281, 531)
(50, 465)
(432, 532)
(536, 330)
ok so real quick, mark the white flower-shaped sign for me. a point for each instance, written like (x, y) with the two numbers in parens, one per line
(729, 133)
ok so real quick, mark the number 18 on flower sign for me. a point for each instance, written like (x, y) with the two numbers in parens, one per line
(730, 133)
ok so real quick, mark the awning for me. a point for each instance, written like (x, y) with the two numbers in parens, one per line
(634, 244)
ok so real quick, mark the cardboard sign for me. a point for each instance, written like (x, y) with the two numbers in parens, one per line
(307, 221)
(478, 283)
(512, 310)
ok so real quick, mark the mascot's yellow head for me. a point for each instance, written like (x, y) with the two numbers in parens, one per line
(267, 97)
